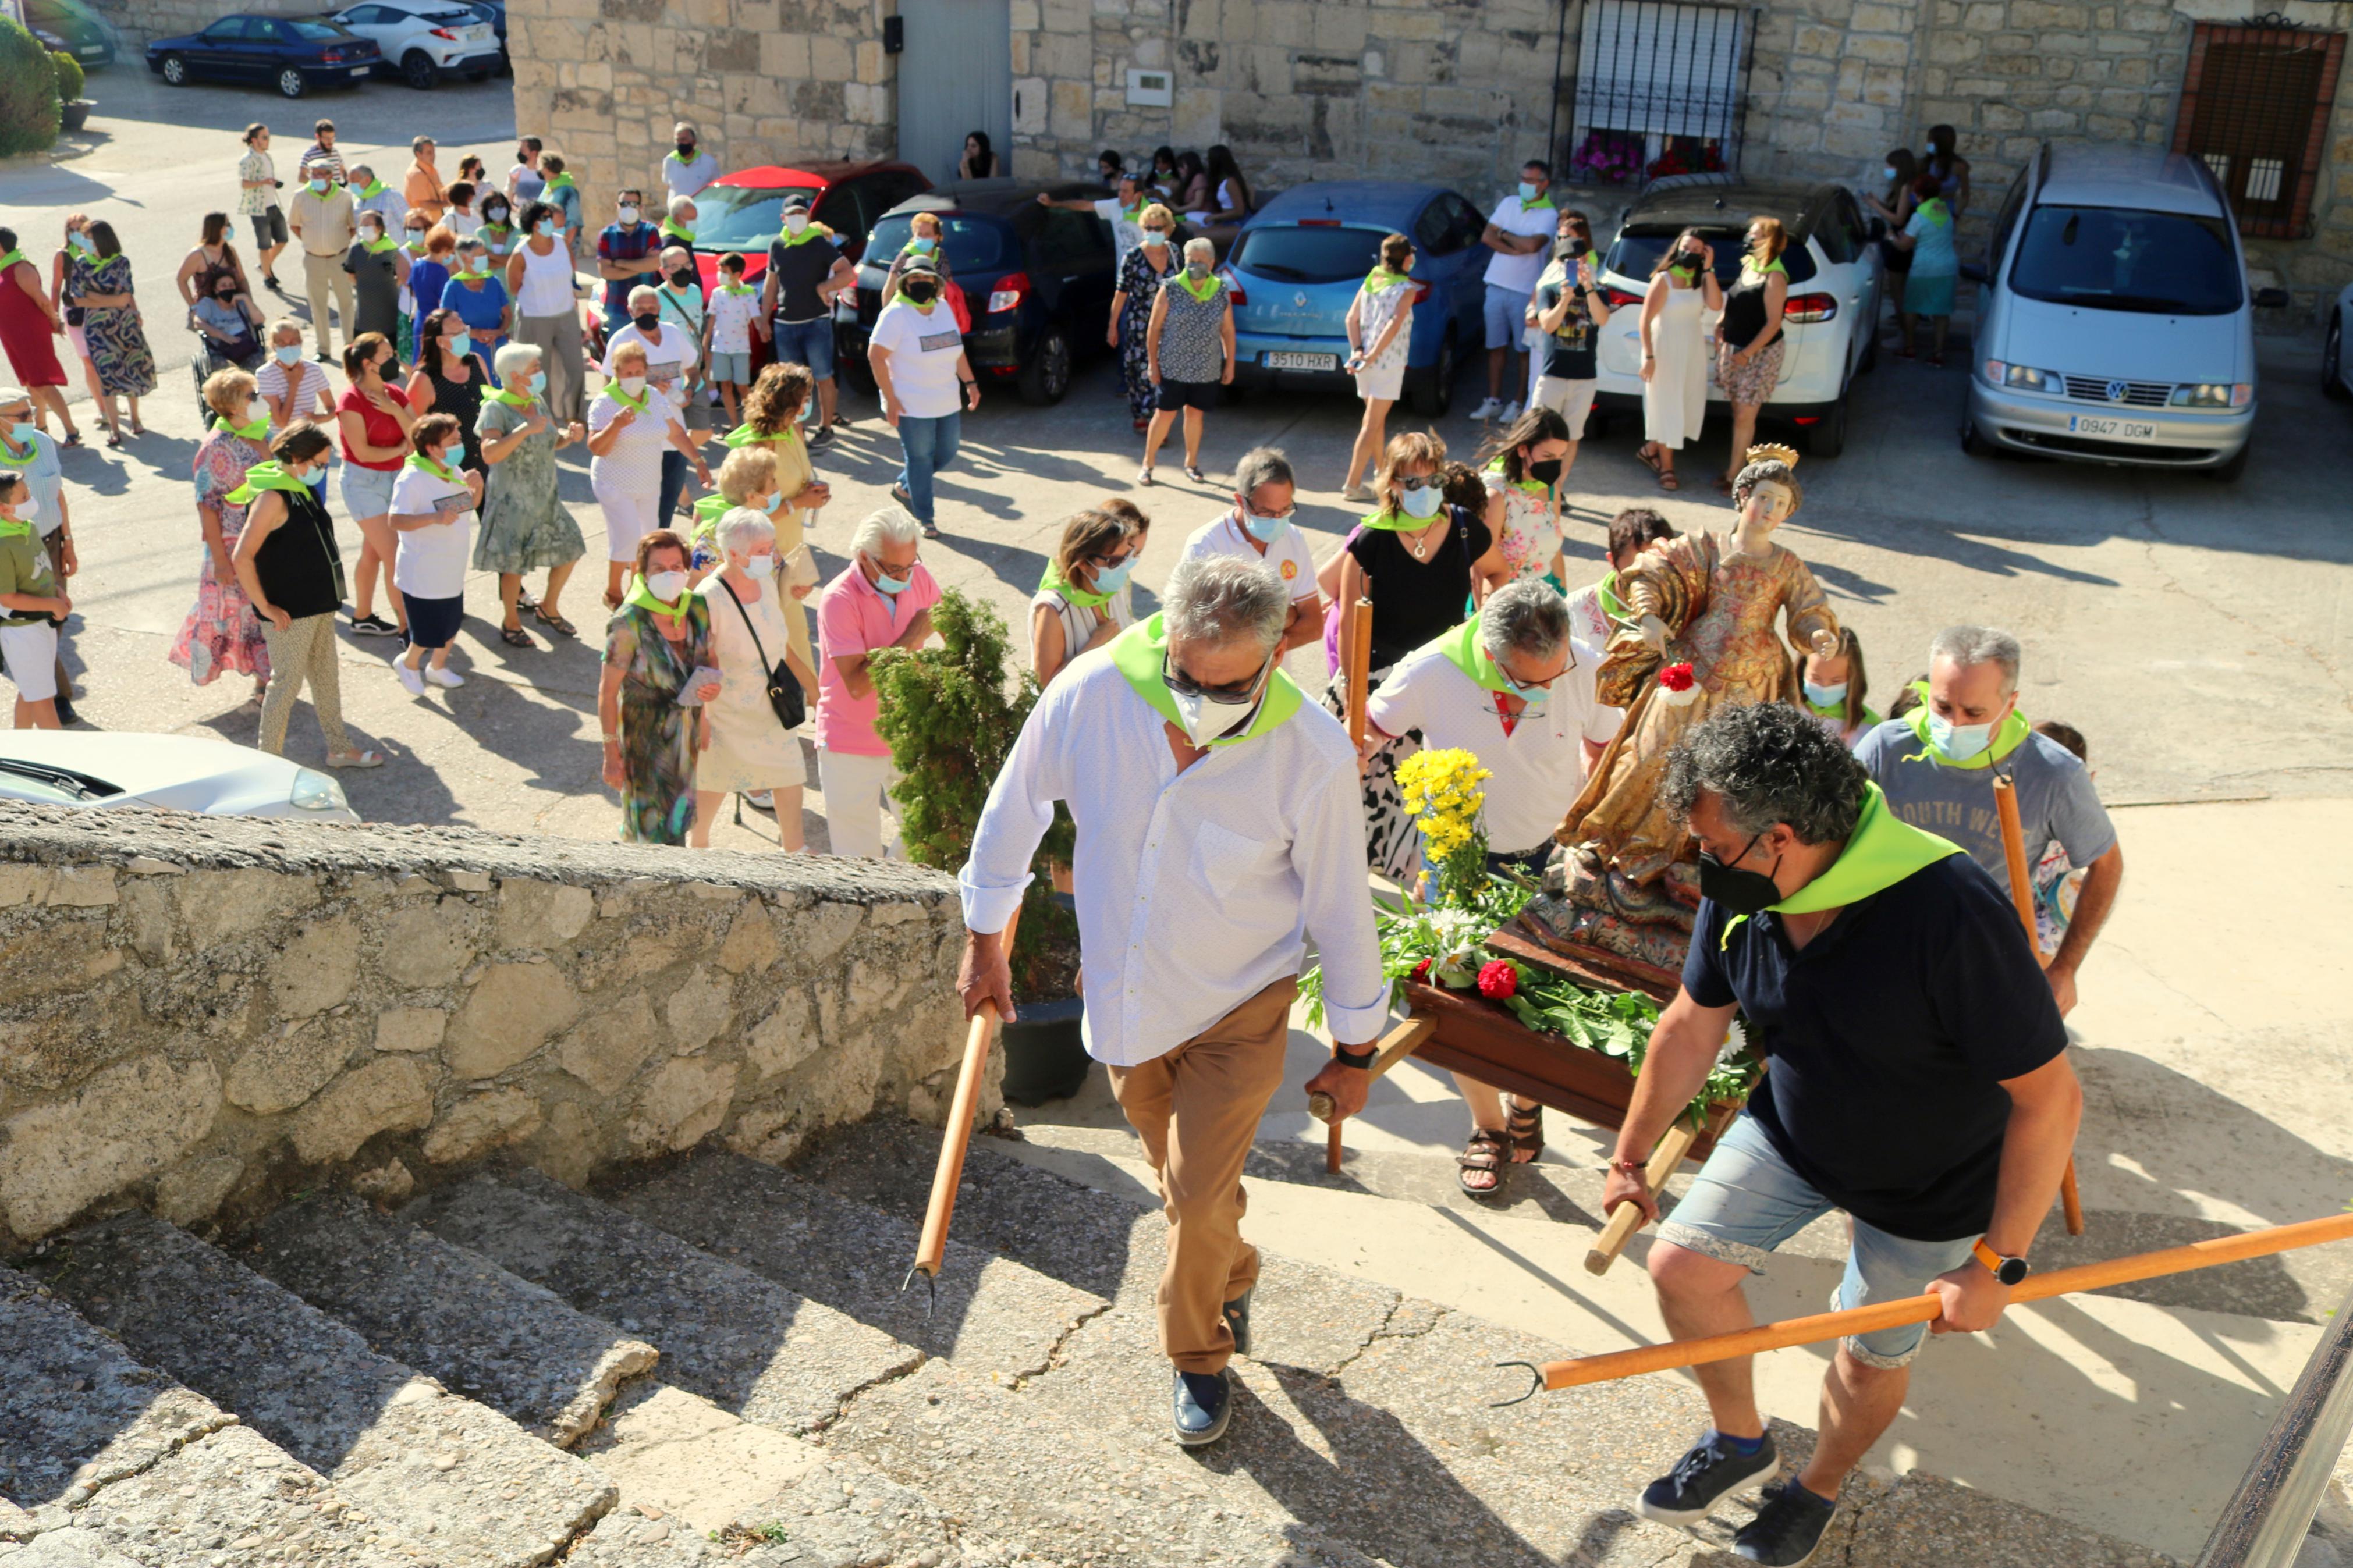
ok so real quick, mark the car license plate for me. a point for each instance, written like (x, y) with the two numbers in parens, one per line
(95, 50)
(359, 70)
(1280, 359)
(2111, 429)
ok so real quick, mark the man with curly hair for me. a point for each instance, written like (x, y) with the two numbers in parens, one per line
(1919, 1082)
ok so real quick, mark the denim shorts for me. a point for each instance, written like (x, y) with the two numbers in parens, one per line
(808, 342)
(367, 492)
(1507, 324)
(1747, 1201)
(734, 367)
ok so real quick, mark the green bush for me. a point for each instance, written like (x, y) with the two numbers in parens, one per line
(28, 91)
(951, 722)
(70, 76)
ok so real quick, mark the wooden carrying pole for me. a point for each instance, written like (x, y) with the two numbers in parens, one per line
(2021, 898)
(1559, 1375)
(1627, 1218)
(931, 1249)
(1359, 658)
(1396, 1045)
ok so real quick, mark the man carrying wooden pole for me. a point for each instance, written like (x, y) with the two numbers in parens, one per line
(1220, 823)
(1919, 1082)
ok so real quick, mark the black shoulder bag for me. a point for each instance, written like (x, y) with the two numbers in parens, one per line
(783, 687)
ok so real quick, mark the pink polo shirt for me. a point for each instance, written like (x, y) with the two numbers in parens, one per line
(852, 617)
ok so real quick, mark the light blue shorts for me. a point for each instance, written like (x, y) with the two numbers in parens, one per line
(1747, 1201)
(1507, 317)
(367, 492)
(736, 367)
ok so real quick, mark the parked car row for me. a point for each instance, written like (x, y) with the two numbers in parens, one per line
(422, 41)
(71, 28)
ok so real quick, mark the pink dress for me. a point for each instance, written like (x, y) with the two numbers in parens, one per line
(223, 633)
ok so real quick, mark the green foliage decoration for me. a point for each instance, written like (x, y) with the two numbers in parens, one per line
(69, 74)
(28, 91)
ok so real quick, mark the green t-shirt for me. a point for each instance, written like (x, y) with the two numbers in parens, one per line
(24, 569)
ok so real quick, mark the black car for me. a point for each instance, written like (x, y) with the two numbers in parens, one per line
(70, 27)
(1038, 279)
(293, 54)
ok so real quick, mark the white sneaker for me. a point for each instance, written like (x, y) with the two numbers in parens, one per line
(412, 679)
(1511, 412)
(762, 799)
(1486, 409)
(441, 675)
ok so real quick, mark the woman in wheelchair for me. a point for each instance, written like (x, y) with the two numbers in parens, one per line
(229, 326)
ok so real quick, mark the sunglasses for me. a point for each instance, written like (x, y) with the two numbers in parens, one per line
(1422, 482)
(1183, 685)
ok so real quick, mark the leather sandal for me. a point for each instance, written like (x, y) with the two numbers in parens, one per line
(1525, 1127)
(1484, 1152)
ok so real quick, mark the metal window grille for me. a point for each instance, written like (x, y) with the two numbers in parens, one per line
(1659, 90)
(2255, 102)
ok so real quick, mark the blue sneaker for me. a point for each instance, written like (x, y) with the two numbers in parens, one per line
(1702, 1477)
(1238, 1319)
(1204, 1403)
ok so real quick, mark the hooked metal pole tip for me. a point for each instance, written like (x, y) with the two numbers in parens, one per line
(931, 1279)
(1536, 1384)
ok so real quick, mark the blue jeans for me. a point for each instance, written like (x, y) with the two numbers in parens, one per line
(807, 343)
(1747, 1201)
(930, 444)
(673, 485)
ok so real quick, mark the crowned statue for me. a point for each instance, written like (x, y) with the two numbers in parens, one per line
(1703, 631)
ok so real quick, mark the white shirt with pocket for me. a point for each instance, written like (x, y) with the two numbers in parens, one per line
(1289, 557)
(430, 561)
(923, 352)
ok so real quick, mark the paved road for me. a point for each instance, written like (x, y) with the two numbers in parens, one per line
(2197, 633)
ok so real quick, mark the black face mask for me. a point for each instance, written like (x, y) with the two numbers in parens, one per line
(1546, 472)
(1687, 262)
(681, 278)
(686, 151)
(647, 321)
(1742, 891)
(1575, 249)
(921, 293)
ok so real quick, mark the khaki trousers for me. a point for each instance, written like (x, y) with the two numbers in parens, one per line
(322, 275)
(304, 652)
(1198, 1110)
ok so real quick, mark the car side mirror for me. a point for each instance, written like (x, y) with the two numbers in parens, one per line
(2271, 300)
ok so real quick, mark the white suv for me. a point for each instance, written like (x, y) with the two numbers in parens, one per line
(1831, 318)
(425, 39)
(2119, 326)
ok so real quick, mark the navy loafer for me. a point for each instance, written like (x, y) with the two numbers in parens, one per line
(1204, 1403)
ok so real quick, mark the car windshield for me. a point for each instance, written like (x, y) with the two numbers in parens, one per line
(1638, 250)
(2114, 258)
(741, 218)
(41, 780)
(1308, 253)
(973, 244)
(305, 28)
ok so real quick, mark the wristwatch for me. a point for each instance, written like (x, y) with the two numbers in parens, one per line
(1360, 1061)
(2009, 1270)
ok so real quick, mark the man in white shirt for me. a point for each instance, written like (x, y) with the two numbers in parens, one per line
(1260, 530)
(1520, 233)
(1515, 688)
(1220, 824)
(1124, 212)
(686, 168)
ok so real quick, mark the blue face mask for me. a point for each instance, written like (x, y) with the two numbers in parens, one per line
(1825, 695)
(1889, 172)
(316, 478)
(1112, 579)
(539, 381)
(21, 432)
(1265, 529)
(1423, 501)
(460, 346)
(1533, 696)
(1528, 192)
(773, 502)
(287, 353)
(890, 587)
(1959, 741)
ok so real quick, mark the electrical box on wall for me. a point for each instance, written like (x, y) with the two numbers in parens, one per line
(1151, 90)
(894, 35)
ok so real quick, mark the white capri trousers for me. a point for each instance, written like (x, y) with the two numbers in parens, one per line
(629, 517)
(854, 786)
(1572, 400)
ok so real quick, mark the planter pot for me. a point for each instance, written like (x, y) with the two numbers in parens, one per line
(74, 113)
(1044, 1059)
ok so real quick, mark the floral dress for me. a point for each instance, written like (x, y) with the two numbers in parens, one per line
(118, 343)
(657, 735)
(222, 632)
(1531, 533)
(526, 526)
(1140, 283)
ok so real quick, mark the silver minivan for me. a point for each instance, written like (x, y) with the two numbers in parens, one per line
(2116, 325)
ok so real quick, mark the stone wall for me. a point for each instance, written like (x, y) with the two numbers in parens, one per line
(1459, 92)
(203, 1012)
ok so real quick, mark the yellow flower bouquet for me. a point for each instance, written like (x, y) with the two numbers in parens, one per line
(1441, 792)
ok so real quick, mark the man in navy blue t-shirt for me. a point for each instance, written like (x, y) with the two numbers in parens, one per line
(1919, 1082)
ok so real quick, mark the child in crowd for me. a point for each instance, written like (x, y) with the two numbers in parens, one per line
(2056, 880)
(1909, 697)
(1594, 610)
(727, 333)
(1835, 689)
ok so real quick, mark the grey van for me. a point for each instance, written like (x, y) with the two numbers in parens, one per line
(2116, 325)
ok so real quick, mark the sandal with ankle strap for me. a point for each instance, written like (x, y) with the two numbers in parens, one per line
(1483, 1151)
(1525, 1127)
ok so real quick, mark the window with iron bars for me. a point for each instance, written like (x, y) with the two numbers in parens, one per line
(2255, 102)
(1659, 90)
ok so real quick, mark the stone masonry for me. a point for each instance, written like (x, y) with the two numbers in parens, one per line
(205, 1014)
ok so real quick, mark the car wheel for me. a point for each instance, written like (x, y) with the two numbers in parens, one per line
(176, 70)
(852, 365)
(417, 70)
(2228, 473)
(2332, 361)
(1047, 376)
(1827, 437)
(1433, 395)
(291, 83)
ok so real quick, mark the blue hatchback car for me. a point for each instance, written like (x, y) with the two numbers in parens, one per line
(1296, 266)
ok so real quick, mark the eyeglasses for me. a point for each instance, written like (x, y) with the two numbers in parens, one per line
(1110, 563)
(1183, 685)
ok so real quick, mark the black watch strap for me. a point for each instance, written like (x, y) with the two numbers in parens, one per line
(1360, 1061)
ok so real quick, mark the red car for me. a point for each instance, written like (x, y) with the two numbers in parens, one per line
(744, 210)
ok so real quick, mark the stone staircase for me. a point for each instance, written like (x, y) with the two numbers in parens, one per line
(710, 1361)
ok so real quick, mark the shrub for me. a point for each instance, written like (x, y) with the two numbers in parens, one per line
(951, 722)
(70, 76)
(28, 91)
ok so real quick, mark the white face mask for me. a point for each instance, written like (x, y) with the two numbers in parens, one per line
(1208, 718)
(629, 214)
(633, 384)
(761, 565)
(28, 507)
(795, 222)
(666, 585)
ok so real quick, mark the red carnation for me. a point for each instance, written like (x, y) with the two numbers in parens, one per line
(1676, 677)
(1498, 980)
(1420, 975)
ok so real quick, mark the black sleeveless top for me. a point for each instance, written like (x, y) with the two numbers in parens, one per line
(1744, 306)
(1415, 601)
(463, 399)
(300, 571)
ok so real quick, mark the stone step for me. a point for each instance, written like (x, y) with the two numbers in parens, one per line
(109, 1463)
(463, 1483)
(452, 1314)
(738, 1338)
(993, 1316)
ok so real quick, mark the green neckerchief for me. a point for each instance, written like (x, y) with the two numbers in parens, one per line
(1607, 592)
(559, 182)
(683, 235)
(1380, 279)
(1134, 215)
(265, 477)
(643, 598)
(415, 246)
(815, 231)
(2006, 739)
(514, 399)
(1748, 264)
(743, 436)
(1141, 654)
(681, 162)
(378, 246)
(1533, 486)
(921, 307)
(1882, 851)
(1389, 520)
(1462, 649)
(1836, 711)
(1201, 292)
(1934, 210)
(253, 432)
(17, 528)
(424, 465)
(495, 233)
(11, 260)
(735, 288)
(636, 405)
(707, 513)
(1084, 598)
(374, 189)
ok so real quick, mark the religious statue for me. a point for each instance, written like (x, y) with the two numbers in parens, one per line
(1626, 886)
